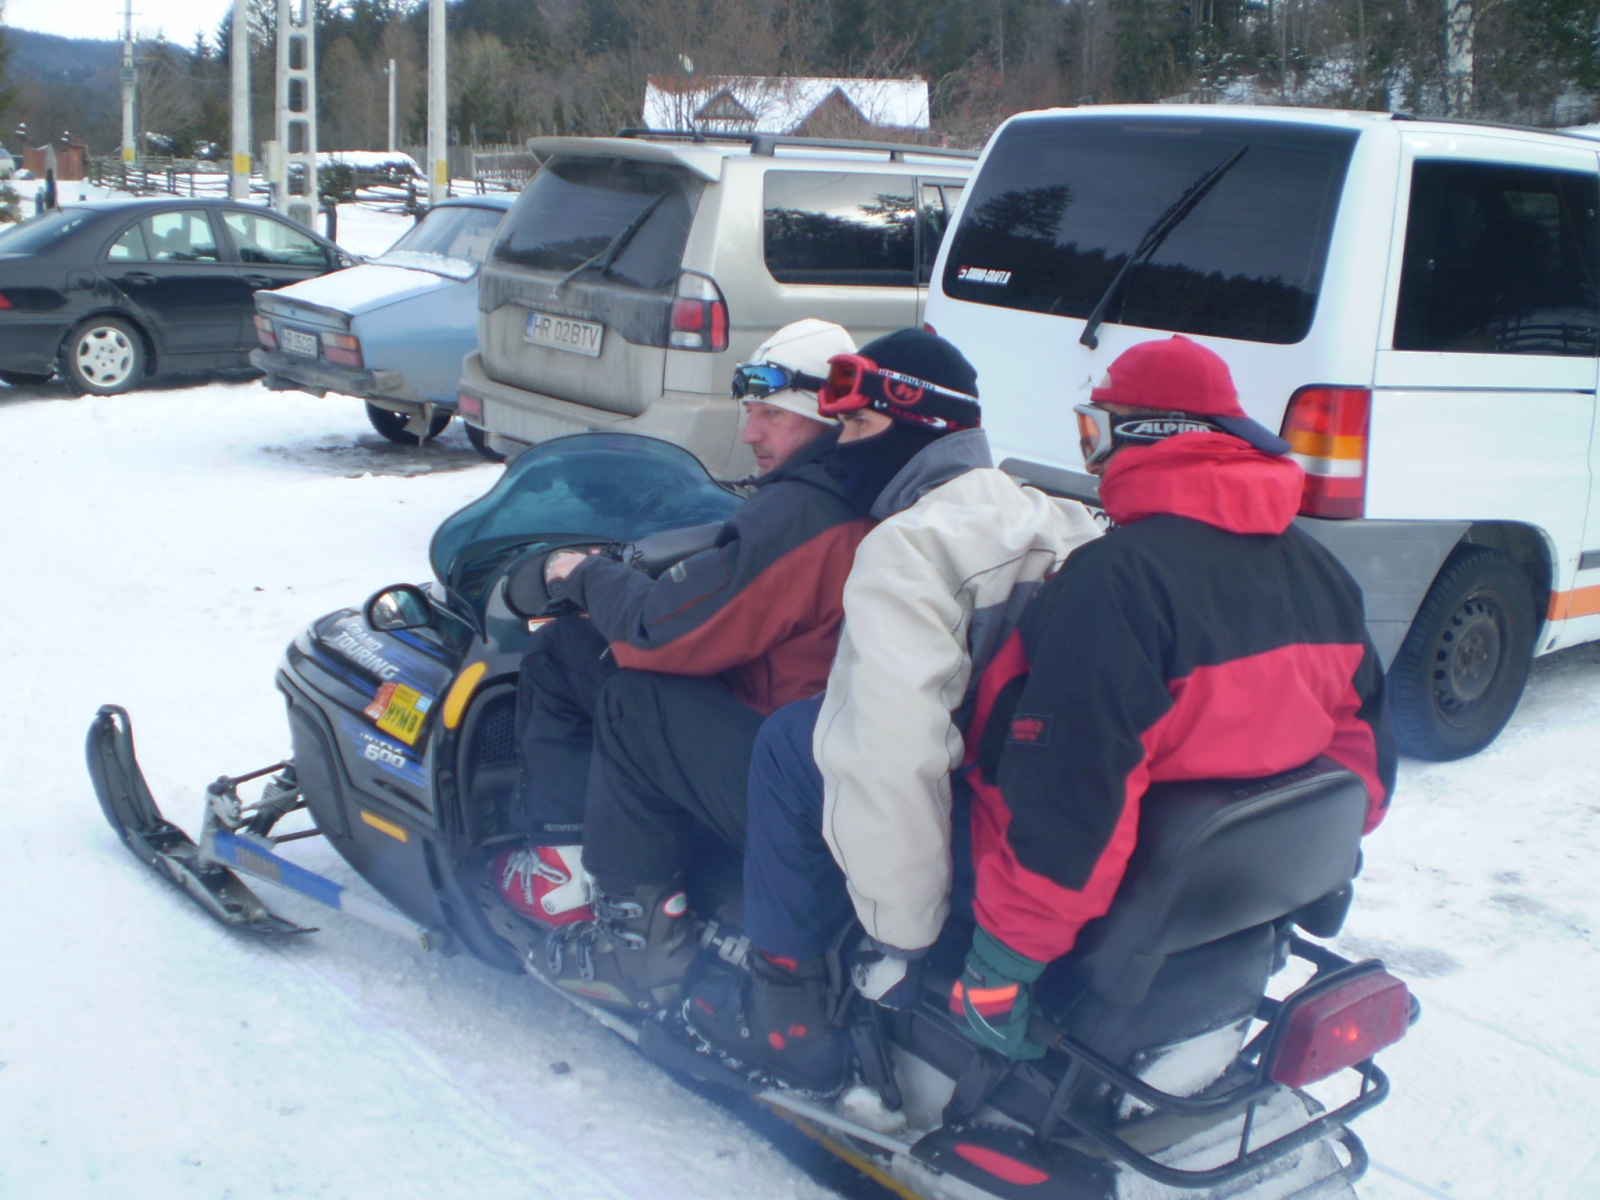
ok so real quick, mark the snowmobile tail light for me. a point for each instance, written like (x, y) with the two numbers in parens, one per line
(342, 348)
(461, 691)
(1326, 428)
(1326, 1029)
(1001, 1166)
(264, 332)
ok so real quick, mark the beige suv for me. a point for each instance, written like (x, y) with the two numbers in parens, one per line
(635, 271)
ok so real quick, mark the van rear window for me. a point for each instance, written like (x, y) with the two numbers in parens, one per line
(1062, 203)
(579, 212)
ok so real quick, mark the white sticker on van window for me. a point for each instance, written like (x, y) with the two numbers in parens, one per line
(983, 275)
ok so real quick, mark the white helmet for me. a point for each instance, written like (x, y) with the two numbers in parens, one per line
(804, 346)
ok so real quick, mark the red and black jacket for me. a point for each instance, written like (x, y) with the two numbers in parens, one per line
(761, 611)
(1205, 637)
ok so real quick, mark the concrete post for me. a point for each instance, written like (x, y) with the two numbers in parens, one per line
(438, 143)
(297, 110)
(239, 103)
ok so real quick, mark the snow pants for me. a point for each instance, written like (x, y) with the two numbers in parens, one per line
(672, 760)
(795, 900)
(558, 686)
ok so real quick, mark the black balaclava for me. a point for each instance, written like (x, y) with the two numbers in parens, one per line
(863, 469)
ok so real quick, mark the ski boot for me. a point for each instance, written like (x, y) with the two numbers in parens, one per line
(633, 956)
(773, 1023)
(543, 884)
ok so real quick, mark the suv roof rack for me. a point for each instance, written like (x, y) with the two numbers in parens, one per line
(767, 143)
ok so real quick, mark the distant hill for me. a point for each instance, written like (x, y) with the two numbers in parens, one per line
(53, 59)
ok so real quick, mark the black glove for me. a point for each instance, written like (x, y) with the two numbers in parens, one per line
(885, 975)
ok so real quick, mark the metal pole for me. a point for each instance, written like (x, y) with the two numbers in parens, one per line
(130, 77)
(391, 106)
(438, 147)
(239, 109)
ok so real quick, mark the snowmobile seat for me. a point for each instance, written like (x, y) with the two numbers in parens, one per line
(1216, 858)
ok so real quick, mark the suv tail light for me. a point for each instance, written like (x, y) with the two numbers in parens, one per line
(1325, 1028)
(1326, 428)
(264, 333)
(342, 348)
(699, 314)
(469, 406)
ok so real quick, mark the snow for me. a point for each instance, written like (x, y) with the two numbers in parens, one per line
(163, 547)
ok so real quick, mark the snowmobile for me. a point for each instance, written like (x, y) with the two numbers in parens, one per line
(1202, 1039)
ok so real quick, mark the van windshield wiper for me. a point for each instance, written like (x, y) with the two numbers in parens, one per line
(1153, 237)
(603, 260)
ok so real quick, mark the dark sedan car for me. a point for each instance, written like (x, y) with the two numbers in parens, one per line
(109, 292)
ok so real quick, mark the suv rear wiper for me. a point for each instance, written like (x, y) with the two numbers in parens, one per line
(603, 260)
(1154, 236)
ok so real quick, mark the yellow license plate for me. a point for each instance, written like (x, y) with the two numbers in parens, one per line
(399, 711)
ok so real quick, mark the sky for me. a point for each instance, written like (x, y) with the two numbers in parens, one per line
(178, 20)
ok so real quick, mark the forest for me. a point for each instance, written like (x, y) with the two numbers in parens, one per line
(518, 68)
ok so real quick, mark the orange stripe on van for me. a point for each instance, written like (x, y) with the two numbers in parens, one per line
(1579, 602)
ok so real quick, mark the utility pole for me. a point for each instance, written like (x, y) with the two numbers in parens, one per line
(438, 146)
(239, 107)
(391, 106)
(297, 111)
(130, 78)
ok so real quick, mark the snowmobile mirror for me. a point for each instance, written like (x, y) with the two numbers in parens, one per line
(400, 606)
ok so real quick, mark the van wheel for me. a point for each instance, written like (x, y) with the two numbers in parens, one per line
(393, 425)
(103, 356)
(480, 443)
(1465, 660)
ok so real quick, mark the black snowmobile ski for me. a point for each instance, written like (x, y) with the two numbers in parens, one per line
(169, 851)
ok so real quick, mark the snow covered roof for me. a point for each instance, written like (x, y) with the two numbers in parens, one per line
(779, 103)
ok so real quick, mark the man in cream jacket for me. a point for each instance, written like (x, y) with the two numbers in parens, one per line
(855, 798)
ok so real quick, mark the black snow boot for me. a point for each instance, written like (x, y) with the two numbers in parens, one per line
(773, 1022)
(633, 956)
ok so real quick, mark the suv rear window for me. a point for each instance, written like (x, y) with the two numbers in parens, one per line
(841, 228)
(1060, 205)
(576, 207)
(1500, 260)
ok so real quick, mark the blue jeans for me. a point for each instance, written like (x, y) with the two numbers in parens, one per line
(794, 892)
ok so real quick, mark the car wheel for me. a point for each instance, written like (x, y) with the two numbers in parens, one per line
(23, 378)
(103, 356)
(1465, 660)
(480, 443)
(393, 425)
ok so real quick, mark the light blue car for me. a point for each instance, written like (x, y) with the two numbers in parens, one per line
(393, 330)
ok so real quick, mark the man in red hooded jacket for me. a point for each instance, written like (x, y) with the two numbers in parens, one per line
(1204, 637)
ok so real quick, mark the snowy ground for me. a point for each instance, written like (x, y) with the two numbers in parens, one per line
(161, 548)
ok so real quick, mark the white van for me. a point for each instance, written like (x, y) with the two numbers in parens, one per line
(1415, 304)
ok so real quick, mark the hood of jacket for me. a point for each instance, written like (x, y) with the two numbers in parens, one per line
(935, 464)
(1209, 477)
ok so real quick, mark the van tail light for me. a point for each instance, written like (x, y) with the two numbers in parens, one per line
(469, 406)
(264, 332)
(342, 348)
(1344, 1020)
(699, 314)
(1327, 429)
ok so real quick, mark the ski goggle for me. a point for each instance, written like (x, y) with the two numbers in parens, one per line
(753, 380)
(855, 382)
(1100, 431)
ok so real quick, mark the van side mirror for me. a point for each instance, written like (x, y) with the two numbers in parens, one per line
(400, 606)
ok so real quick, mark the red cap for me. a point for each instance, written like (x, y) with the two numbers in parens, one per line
(1177, 375)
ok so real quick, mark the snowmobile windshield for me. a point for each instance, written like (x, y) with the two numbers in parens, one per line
(605, 487)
